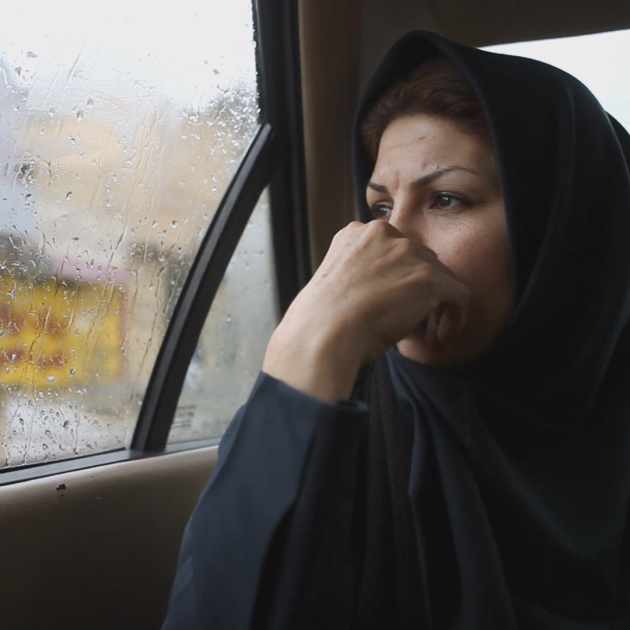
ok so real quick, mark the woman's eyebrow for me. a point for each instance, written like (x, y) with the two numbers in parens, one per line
(425, 179)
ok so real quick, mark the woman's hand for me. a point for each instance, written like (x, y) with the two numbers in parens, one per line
(373, 288)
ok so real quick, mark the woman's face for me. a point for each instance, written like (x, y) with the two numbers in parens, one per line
(437, 183)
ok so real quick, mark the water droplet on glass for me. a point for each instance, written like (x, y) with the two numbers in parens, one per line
(80, 115)
(31, 54)
(73, 372)
(69, 195)
(89, 104)
(50, 378)
(173, 224)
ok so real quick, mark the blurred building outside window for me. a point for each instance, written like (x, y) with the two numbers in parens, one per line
(120, 128)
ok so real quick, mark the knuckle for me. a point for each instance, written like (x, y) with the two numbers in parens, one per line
(343, 233)
(405, 247)
(461, 295)
(350, 228)
(425, 273)
(465, 295)
(354, 225)
(376, 227)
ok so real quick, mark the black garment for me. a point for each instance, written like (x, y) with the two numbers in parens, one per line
(491, 499)
(528, 522)
(270, 543)
(566, 190)
(525, 459)
(278, 538)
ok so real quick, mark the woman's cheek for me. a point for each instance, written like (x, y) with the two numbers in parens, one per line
(479, 258)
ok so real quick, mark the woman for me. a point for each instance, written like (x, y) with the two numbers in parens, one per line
(485, 484)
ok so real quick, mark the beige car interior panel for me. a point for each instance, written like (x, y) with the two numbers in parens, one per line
(341, 43)
(486, 22)
(96, 549)
(330, 47)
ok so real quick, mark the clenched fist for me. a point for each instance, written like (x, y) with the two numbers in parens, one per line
(373, 288)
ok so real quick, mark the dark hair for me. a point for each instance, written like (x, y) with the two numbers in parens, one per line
(437, 87)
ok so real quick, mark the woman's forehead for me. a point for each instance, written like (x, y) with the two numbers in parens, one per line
(417, 145)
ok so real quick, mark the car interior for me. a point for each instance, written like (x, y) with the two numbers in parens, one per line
(91, 531)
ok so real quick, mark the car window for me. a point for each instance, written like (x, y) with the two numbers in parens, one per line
(234, 337)
(121, 128)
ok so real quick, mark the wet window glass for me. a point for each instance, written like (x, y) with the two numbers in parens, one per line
(234, 337)
(120, 127)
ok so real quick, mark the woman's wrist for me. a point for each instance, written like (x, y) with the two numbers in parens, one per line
(317, 361)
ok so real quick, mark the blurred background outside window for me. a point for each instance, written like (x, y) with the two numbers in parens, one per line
(120, 128)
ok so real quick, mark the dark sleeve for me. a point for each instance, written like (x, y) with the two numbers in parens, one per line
(269, 544)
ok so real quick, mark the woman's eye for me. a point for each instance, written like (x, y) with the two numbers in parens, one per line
(380, 211)
(443, 201)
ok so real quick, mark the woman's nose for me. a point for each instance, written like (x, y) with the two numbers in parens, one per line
(406, 222)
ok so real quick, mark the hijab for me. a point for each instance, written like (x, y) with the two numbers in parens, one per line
(498, 497)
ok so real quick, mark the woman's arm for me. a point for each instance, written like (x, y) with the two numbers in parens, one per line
(269, 542)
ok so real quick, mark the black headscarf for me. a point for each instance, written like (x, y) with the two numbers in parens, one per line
(498, 499)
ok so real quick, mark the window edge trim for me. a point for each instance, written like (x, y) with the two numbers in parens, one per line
(169, 371)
